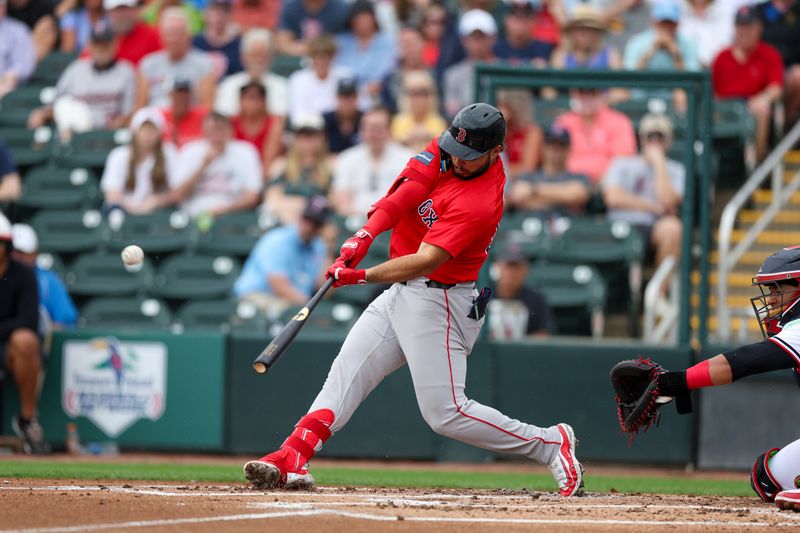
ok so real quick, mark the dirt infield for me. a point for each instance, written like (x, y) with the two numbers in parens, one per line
(67, 506)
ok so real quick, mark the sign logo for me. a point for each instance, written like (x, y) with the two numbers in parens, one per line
(462, 135)
(114, 383)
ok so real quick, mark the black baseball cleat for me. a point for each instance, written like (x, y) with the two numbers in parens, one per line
(32, 436)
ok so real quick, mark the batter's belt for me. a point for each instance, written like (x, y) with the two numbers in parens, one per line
(435, 284)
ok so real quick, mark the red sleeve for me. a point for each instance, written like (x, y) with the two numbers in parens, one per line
(775, 61)
(455, 230)
(425, 167)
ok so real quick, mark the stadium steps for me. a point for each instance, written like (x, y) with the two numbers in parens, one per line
(782, 231)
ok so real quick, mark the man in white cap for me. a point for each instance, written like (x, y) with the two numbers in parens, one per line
(20, 348)
(478, 32)
(54, 299)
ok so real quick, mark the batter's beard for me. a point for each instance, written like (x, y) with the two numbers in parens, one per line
(475, 174)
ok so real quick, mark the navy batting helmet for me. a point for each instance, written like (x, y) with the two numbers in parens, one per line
(777, 305)
(475, 130)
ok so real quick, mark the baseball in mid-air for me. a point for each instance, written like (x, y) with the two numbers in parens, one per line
(132, 255)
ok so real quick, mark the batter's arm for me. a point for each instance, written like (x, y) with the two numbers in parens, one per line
(428, 258)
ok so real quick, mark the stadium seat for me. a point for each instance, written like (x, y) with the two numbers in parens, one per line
(234, 234)
(190, 277)
(52, 187)
(547, 111)
(69, 232)
(28, 147)
(125, 314)
(327, 317)
(528, 232)
(284, 65)
(730, 119)
(52, 262)
(16, 106)
(90, 149)
(161, 232)
(102, 274)
(223, 315)
(575, 293)
(50, 68)
(616, 249)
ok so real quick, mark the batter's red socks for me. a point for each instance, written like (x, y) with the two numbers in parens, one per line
(309, 434)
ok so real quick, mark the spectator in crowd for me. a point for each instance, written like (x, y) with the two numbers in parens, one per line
(220, 38)
(584, 44)
(517, 46)
(217, 174)
(76, 24)
(105, 85)
(287, 263)
(548, 19)
(256, 125)
(410, 59)
(523, 135)
(141, 177)
(10, 182)
(364, 172)
(646, 190)
(410, 13)
(442, 47)
(154, 10)
(136, 38)
(312, 90)
(178, 60)
(782, 30)
(304, 172)
(17, 52)
(183, 121)
(662, 47)
(365, 51)
(551, 192)
(597, 133)
(257, 51)
(302, 20)
(419, 118)
(750, 70)
(57, 308)
(624, 18)
(478, 32)
(708, 24)
(20, 347)
(517, 311)
(250, 14)
(342, 124)
(39, 17)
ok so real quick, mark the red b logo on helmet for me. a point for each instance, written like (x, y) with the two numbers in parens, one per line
(462, 135)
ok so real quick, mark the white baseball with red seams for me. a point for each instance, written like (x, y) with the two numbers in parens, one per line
(132, 255)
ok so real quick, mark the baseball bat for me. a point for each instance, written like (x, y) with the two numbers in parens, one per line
(282, 340)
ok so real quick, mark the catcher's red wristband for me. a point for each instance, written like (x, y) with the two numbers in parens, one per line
(698, 376)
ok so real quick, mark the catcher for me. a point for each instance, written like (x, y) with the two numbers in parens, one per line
(642, 387)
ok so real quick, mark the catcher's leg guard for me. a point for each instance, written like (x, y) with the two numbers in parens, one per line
(761, 478)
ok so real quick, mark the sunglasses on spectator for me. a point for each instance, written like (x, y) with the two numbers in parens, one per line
(418, 92)
(438, 21)
(655, 136)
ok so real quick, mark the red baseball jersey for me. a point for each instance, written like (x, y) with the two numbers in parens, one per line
(460, 216)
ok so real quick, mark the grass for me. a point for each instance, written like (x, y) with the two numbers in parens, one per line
(371, 477)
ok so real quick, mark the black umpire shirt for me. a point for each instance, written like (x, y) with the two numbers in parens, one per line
(19, 300)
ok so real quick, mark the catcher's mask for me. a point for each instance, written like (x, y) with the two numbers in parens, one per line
(778, 279)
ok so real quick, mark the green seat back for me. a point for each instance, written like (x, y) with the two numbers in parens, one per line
(29, 147)
(730, 119)
(101, 274)
(234, 234)
(327, 316)
(16, 106)
(547, 111)
(528, 232)
(188, 277)
(220, 314)
(125, 314)
(161, 232)
(52, 262)
(90, 149)
(69, 232)
(593, 241)
(284, 65)
(50, 67)
(52, 187)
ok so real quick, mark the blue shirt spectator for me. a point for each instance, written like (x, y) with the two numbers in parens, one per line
(287, 262)
(77, 24)
(220, 38)
(10, 183)
(662, 47)
(517, 46)
(301, 20)
(17, 52)
(54, 299)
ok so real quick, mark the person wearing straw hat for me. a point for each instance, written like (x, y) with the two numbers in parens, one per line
(584, 44)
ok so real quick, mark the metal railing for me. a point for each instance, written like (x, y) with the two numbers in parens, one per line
(661, 325)
(771, 167)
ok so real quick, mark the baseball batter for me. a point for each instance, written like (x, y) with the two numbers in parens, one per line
(444, 209)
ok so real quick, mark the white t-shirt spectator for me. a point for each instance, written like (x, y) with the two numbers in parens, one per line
(115, 173)
(236, 171)
(367, 180)
(108, 93)
(160, 73)
(635, 176)
(227, 100)
(309, 95)
(712, 31)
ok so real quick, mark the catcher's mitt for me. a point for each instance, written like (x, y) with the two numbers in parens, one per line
(635, 383)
